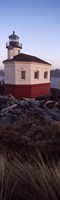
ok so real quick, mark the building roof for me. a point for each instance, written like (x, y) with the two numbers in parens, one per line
(27, 58)
(13, 36)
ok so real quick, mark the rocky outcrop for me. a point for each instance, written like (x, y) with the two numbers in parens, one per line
(12, 109)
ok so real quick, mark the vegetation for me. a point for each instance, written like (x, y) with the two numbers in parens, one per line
(30, 158)
(55, 94)
(55, 73)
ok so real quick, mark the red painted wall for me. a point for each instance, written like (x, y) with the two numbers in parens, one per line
(40, 90)
(9, 89)
(23, 91)
(29, 91)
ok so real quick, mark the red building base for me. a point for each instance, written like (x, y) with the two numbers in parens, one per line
(29, 91)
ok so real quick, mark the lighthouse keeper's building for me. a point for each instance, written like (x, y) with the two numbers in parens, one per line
(25, 75)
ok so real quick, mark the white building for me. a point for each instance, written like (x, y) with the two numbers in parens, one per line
(25, 75)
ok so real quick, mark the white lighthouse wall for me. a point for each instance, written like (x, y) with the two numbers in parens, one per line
(22, 66)
(13, 52)
(41, 68)
(16, 51)
(13, 73)
(10, 73)
(30, 68)
(10, 53)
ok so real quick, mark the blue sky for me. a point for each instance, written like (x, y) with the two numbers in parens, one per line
(37, 23)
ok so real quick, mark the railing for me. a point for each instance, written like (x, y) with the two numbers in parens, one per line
(20, 44)
(14, 44)
(7, 44)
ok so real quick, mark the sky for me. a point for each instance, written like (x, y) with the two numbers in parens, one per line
(37, 23)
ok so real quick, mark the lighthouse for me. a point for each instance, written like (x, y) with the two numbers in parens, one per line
(25, 75)
(13, 46)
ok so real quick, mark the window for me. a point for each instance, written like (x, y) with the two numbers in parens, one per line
(18, 51)
(46, 74)
(23, 74)
(36, 75)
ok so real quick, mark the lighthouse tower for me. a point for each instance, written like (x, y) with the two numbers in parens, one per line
(13, 46)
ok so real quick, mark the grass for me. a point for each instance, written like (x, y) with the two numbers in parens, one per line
(30, 159)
